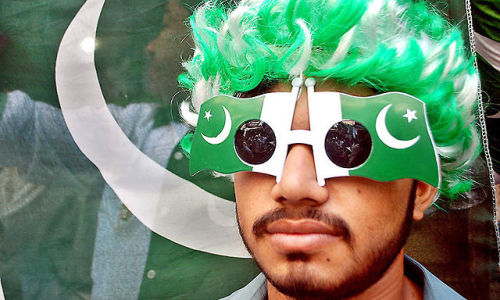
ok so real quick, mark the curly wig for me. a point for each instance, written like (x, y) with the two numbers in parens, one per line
(386, 45)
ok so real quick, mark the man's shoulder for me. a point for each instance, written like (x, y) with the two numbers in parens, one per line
(432, 287)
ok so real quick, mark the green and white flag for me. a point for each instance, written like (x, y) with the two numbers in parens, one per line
(401, 141)
(402, 144)
(220, 117)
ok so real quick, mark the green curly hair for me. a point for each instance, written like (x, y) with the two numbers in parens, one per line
(386, 45)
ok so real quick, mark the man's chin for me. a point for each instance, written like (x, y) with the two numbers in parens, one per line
(305, 276)
(302, 282)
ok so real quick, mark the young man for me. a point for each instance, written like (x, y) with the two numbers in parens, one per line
(319, 228)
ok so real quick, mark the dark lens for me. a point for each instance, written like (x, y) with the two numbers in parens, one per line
(255, 142)
(348, 144)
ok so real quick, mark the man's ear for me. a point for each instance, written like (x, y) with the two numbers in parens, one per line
(424, 194)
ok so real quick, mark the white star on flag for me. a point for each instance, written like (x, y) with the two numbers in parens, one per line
(410, 115)
(208, 115)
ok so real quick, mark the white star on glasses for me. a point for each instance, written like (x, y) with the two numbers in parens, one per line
(208, 115)
(410, 115)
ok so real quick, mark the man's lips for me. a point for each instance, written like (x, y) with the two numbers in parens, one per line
(303, 226)
(305, 235)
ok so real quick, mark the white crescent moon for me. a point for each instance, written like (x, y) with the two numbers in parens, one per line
(168, 205)
(222, 136)
(386, 137)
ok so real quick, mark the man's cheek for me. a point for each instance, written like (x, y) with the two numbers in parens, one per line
(244, 221)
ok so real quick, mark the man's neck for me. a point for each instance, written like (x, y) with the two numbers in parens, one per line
(393, 285)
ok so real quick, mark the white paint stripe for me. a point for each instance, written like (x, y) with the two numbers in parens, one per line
(488, 49)
(168, 205)
(277, 112)
(325, 110)
(300, 137)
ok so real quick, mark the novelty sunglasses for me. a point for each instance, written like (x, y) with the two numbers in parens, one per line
(383, 137)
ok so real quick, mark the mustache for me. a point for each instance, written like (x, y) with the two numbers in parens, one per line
(336, 223)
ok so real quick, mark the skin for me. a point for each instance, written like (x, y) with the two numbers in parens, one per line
(357, 254)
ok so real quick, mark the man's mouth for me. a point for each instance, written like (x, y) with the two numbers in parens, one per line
(304, 235)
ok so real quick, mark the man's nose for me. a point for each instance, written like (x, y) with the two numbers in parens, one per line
(299, 185)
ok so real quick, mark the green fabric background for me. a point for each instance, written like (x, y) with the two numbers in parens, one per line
(50, 242)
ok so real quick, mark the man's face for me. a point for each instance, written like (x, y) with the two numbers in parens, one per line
(336, 239)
